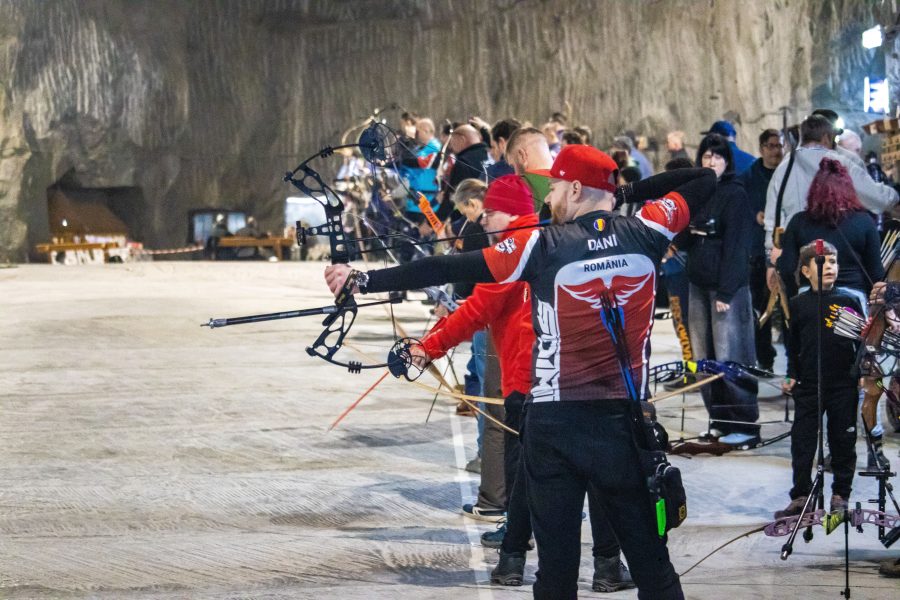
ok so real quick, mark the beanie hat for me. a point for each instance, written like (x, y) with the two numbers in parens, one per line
(586, 164)
(509, 194)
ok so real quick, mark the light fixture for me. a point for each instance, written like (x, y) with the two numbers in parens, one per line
(876, 97)
(872, 38)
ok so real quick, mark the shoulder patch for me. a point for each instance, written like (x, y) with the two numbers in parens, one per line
(507, 246)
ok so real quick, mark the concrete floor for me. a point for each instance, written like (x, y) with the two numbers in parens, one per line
(145, 457)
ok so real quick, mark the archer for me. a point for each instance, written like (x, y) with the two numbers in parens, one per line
(583, 423)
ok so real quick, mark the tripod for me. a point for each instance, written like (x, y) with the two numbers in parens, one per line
(816, 498)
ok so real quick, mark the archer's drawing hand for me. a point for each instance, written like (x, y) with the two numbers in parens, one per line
(440, 311)
(876, 296)
(336, 276)
(420, 358)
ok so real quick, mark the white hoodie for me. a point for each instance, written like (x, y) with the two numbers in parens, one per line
(877, 197)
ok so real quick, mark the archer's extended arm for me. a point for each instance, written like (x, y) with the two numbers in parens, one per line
(696, 186)
(434, 270)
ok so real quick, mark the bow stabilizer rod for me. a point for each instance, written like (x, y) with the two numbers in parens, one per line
(395, 298)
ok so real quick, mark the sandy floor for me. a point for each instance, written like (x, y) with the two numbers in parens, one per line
(146, 457)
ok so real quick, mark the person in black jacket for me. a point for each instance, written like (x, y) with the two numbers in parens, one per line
(471, 156)
(839, 384)
(720, 322)
(756, 182)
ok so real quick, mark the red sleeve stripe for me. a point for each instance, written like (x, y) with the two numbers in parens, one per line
(497, 268)
(668, 215)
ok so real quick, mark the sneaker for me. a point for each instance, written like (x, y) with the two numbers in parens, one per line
(510, 570)
(740, 439)
(610, 575)
(712, 434)
(838, 504)
(494, 539)
(793, 509)
(474, 511)
(474, 465)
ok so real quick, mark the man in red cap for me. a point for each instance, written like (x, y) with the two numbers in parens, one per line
(592, 279)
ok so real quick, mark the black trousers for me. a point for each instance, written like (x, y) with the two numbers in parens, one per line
(569, 446)
(518, 516)
(840, 406)
(759, 294)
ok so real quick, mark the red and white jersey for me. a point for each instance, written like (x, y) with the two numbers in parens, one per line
(570, 267)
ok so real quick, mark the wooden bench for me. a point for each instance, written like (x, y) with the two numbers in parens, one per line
(276, 243)
(51, 248)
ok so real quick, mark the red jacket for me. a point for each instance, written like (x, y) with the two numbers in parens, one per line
(505, 309)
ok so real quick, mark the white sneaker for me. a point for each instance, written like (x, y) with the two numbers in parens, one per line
(739, 439)
(473, 511)
(713, 433)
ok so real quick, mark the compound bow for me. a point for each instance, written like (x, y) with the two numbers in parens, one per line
(379, 145)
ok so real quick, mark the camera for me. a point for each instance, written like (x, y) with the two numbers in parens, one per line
(707, 228)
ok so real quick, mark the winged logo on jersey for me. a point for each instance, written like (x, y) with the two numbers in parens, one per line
(622, 286)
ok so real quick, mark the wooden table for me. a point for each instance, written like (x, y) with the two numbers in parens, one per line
(276, 243)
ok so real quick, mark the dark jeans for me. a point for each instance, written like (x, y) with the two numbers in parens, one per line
(725, 336)
(569, 446)
(839, 404)
(759, 293)
(518, 516)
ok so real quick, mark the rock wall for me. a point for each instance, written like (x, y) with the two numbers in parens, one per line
(208, 103)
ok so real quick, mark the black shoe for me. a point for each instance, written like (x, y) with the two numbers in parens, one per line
(494, 539)
(510, 570)
(610, 575)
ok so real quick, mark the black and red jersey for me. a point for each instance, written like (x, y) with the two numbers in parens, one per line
(571, 269)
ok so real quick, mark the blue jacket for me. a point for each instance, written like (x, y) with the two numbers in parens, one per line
(742, 160)
(423, 177)
(756, 181)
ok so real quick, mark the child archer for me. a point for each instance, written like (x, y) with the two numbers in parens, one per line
(840, 391)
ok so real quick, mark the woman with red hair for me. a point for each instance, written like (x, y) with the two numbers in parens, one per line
(834, 214)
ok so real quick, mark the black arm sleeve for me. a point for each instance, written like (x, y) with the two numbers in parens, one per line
(434, 270)
(659, 185)
(787, 263)
(791, 339)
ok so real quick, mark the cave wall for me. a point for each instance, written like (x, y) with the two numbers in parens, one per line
(207, 103)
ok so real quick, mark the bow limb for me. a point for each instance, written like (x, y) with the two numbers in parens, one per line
(470, 402)
(687, 388)
(729, 542)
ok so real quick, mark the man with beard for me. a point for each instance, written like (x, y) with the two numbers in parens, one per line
(582, 423)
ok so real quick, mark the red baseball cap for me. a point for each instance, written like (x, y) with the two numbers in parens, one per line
(509, 194)
(586, 164)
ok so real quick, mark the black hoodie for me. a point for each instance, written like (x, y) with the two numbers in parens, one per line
(720, 262)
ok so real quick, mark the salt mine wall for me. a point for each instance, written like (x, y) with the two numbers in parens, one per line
(207, 103)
